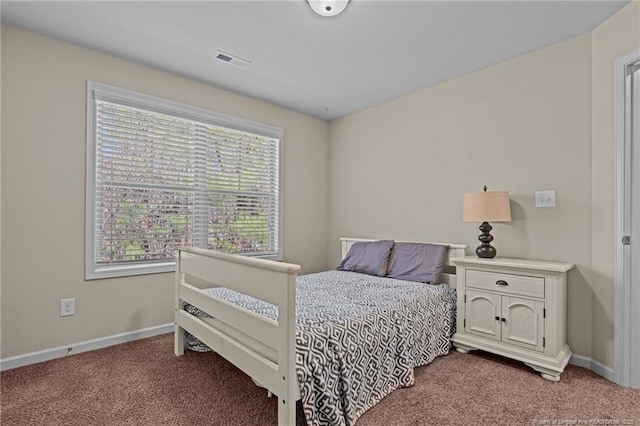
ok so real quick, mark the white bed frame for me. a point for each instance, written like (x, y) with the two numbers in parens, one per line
(261, 347)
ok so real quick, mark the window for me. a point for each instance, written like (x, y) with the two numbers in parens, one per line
(161, 175)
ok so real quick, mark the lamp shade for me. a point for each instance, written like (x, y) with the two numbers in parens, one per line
(488, 206)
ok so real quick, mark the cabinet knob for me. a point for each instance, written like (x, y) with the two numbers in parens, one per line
(502, 282)
(497, 318)
(504, 320)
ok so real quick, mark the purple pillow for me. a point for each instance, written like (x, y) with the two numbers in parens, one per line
(368, 258)
(417, 262)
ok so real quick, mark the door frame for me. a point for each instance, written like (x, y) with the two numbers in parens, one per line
(625, 372)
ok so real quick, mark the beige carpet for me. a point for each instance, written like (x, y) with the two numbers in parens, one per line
(143, 383)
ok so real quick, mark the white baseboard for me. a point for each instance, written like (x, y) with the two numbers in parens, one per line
(76, 348)
(595, 366)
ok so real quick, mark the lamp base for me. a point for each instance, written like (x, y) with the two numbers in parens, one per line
(486, 250)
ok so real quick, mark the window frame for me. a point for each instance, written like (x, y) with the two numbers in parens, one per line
(105, 92)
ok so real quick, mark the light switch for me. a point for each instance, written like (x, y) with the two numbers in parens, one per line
(545, 198)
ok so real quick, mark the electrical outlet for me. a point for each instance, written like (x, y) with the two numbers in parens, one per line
(545, 198)
(67, 307)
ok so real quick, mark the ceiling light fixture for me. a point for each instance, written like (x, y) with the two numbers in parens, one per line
(328, 7)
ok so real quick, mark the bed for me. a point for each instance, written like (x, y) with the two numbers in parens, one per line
(254, 327)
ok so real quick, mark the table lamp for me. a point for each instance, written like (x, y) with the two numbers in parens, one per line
(485, 207)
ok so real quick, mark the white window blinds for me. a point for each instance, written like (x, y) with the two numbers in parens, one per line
(168, 175)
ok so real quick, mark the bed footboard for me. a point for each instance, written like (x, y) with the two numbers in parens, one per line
(261, 347)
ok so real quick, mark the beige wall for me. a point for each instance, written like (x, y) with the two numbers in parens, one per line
(43, 184)
(398, 170)
(611, 40)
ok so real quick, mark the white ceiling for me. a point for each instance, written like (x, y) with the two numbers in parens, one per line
(326, 67)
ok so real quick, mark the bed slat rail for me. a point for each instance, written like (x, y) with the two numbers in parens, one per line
(247, 322)
(255, 345)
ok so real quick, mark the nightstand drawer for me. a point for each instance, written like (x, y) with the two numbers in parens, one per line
(522, 285)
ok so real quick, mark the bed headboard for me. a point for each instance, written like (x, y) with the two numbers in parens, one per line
(455, 250)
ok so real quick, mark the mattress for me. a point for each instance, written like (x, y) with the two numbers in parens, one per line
(358, 338)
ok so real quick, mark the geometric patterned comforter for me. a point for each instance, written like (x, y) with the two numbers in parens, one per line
(358, 338)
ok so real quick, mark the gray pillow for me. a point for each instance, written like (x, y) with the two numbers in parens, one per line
(368, 257)
(417, 262)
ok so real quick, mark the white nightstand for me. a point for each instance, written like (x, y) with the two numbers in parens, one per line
(515, 308)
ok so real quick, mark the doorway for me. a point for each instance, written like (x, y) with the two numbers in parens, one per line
(627, 280)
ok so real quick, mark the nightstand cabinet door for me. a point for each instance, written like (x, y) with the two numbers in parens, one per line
(483, 313)
(523, 325)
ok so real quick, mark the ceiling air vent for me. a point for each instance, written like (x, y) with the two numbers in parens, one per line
(231, 59)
